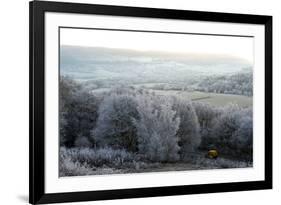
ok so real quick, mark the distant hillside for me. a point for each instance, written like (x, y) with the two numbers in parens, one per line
(107, 65)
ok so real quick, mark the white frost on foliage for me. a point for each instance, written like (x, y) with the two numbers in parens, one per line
(156, 128)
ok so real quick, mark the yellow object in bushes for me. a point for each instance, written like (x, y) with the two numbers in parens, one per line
(213, 154)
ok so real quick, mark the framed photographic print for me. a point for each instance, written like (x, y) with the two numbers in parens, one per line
(140, 102)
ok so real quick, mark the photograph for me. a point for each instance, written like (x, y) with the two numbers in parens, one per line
(133, 101)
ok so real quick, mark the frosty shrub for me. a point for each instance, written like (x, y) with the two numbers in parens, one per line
(68, 167)
(156, 128)
(207, 116)
(234, 132)
(98, 157)
(188, 132)
(78, 111)
(115, 127)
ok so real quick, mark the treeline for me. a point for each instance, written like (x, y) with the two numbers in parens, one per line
(152, 127)
(239, 84)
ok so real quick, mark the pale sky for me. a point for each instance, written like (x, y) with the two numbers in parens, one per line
(241, 47)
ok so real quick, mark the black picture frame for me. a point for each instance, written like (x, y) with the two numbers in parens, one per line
(37, 9)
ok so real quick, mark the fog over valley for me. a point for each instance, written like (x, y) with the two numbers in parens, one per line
(134, 67)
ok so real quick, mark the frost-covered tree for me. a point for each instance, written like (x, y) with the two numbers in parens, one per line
(188, 132)
(78, 111)
(243, 137)
(157, 127)
(233, 133)
(206, 115)
(115, 127)
(67, 88)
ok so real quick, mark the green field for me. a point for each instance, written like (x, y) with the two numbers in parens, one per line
(211, 98)
(215, 99)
